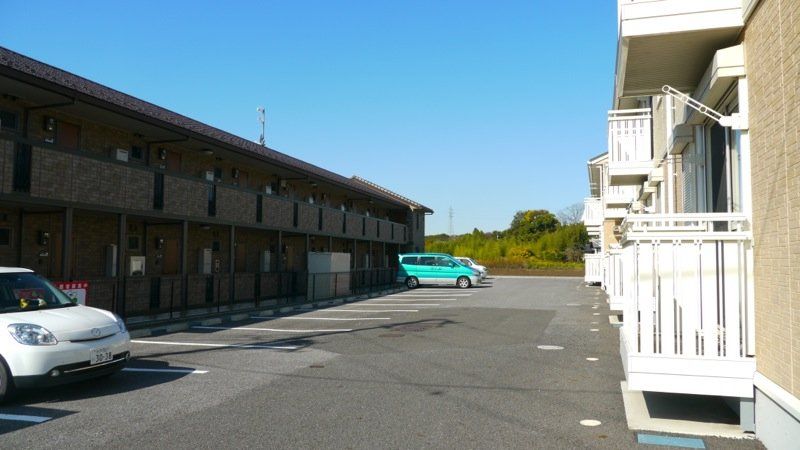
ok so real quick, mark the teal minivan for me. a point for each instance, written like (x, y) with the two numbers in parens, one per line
(435, 268)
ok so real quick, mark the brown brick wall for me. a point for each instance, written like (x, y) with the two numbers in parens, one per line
(67, 177)
(185, 197)
(772, 43)
(93, 233)
(6, 165)
(307, 218)
(277, 212)
(332, 221)
(354, 226)
(236, 205)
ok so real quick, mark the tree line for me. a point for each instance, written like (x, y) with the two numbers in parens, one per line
(535, 239)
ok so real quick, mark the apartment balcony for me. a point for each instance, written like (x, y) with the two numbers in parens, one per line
(687, 289)
(592, 215)
(671, 42)
(593, 268)
(620, 196)
(629, 146)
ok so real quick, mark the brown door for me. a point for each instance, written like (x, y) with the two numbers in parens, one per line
(68, 135)
(241, 258)
(243, 178)
(171, 257)
(173, 161)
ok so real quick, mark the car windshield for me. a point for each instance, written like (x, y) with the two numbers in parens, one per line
(29, 291)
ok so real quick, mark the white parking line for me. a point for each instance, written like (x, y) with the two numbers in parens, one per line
(276, 330)
(372, 310)
(417, 299)
(321, 318)
(424, 294)
(202, 344)
(139, 369)
(399, 304)
(22, 418)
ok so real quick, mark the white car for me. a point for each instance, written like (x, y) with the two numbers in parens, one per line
(46, 339)
(469, 262)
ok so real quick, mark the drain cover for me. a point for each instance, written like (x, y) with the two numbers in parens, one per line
(391, 335)
(317, 366)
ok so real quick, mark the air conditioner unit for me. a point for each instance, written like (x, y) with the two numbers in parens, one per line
(209, 175)
(264, 261)
(122, 155)
(205, 256)
(267, 189)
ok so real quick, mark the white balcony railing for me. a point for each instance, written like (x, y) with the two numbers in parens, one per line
(593, 267)
(688, 304)
(621, 195)
(592, 212)
(629, 135)
(612, 279)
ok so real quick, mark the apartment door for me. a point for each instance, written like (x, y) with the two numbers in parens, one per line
(171, 265)
(241, 258)
(173, 161)
(68, 135)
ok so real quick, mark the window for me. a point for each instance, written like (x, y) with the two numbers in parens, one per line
(5, 237)
(427, 261)
(411, 260)
(8, 121)
(134, 243)
(137, 153)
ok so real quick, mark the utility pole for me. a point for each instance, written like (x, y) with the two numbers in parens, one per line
(451, 213)
(263, 120)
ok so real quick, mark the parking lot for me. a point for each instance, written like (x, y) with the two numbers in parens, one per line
(513, 363)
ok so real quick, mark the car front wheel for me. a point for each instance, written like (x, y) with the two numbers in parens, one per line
(412, 282)
(6, 385)
(463, 282)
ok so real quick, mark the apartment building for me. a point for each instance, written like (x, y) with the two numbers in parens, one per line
(154, 211)
(696, 205)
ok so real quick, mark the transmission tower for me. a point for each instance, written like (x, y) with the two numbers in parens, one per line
(451, 213)
(263, 120)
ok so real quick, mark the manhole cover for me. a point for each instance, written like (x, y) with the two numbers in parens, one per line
(391, 335)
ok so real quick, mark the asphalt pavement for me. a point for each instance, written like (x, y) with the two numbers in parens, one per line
(429, 368)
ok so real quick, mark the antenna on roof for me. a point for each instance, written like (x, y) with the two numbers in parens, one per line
(451, 213)
(263, 120)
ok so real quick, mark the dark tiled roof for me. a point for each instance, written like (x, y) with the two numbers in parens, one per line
(410, 203)
(104, 94)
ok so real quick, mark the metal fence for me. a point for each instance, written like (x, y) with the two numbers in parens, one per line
(176, 295)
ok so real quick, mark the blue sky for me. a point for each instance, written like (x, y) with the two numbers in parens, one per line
(487, 107)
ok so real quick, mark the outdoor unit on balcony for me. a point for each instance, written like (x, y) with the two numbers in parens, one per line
(209, 175)
(264, 261)
(204, 263)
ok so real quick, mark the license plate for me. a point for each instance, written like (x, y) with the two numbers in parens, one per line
(100, 355)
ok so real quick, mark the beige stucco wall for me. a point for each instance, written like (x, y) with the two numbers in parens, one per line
(772, 49)
(609, 237)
